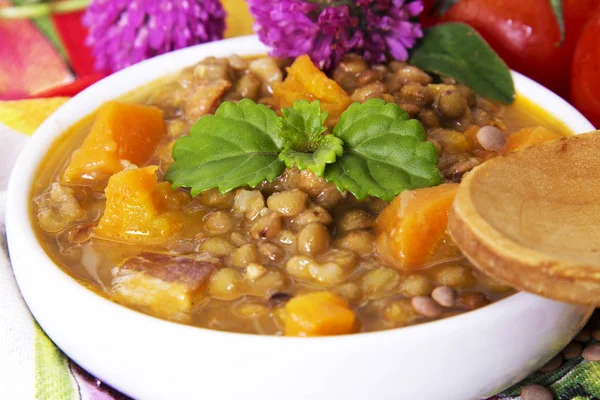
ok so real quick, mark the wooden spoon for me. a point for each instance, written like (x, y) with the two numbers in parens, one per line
(532, 219)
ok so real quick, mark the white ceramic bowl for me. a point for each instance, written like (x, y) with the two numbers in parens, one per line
(464, 357)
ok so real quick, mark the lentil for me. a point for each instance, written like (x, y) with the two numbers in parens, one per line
(313, 239)
(226, 284)
(368, 76)
(249, 203)
(349, 291)
(244, 255)
(288, 203)
(400, 311)
(380, 281)
(217, 246)
(248, 86)
(359, 241)
(369, 91)
(219, 223)
(267, 226)
(313, 214)
(415, 285)
(452, 105)
(270, 253)
(355, 219)
(455, 276)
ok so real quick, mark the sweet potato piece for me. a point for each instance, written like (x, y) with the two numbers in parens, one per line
(415, 222)
(529, 137)
(318, 314)
(471, 137)
(306, 81)
(169, 286)
(137, 208)
(120, 131)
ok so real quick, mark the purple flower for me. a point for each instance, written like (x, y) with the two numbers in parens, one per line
(391, 28)
(124, 32)
(327, 29)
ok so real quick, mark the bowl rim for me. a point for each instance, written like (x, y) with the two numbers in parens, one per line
(19, 224)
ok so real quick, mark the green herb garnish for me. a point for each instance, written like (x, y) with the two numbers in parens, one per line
(302, 128)
(374, 150)
(385, 152)
(457, 50)
(237, 146)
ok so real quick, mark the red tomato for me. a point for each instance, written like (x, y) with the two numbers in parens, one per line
(526, 35)
(585, 72)
(73, 34)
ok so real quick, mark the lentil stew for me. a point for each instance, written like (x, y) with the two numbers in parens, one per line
(294, 256)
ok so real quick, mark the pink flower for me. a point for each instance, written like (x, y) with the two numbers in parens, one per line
(124, 32)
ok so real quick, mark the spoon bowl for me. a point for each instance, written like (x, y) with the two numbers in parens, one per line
(532, 219)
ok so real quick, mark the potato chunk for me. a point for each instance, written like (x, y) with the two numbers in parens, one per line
(121, 132)
(169, 286)
(137, 208)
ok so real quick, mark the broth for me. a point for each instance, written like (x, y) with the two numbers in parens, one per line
(378, 294)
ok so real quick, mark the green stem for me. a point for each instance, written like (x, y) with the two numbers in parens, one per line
(42, 9)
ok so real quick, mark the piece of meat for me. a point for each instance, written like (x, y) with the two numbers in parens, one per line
(165, 285)
(203, 98)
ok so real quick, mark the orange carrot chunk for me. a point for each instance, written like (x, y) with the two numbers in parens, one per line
(318, 314)
(527, 137)
(411, 227)
(121, 132)
(307, 82)
(137, 208)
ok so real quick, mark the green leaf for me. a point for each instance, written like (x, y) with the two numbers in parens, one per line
(237, 146)
(302, 127)
(385, 152)
(456, 50)
(329, 149)
(557, 9)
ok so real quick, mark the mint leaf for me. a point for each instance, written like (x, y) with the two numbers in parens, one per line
(330, 147)
(458, 51)
(237, 146)
(385, 152)
(302, 127)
